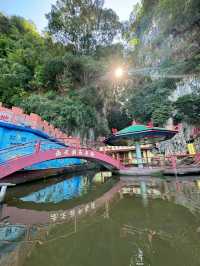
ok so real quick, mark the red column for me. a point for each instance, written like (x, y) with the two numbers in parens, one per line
(37, 146)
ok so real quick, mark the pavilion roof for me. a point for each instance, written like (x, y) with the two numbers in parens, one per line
(140, 133)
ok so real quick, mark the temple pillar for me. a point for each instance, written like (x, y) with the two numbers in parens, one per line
(139, 155)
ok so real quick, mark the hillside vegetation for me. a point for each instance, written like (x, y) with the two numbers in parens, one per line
(66, 74)
(164, 36)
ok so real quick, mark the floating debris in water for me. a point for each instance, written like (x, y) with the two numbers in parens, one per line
(140, 258)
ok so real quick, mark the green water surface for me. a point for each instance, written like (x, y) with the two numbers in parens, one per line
(157, 225)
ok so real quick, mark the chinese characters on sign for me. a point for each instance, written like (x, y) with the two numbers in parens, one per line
(13, 118)
(74, 152)
(4, 117)
(63, 215)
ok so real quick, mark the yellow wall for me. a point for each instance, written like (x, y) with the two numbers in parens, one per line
(191, 148)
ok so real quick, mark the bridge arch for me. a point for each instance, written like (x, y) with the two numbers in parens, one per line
(19, 163)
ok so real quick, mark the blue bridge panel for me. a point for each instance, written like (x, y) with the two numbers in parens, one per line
(12, 135)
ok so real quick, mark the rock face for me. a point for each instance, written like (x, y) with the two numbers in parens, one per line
(162, 45)
(186, 86)
(187, 132)
(169, 49)
(179, 144)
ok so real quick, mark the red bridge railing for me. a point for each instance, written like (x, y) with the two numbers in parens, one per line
(31, 153)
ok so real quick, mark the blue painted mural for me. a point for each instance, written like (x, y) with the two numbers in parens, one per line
(12, 135)
(64, 190)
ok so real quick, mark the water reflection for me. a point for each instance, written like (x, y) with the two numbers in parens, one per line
(17, 222)
(64, 190)
(128, 233)
(9, 235)
(10, 232)
(56, 190)
(182, 191)
(144, 226)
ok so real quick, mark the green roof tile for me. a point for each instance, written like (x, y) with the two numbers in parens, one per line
(141, 133)
(136, 128)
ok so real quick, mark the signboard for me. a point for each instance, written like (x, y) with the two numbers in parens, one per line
(13, 118)
(75, 152)
(5, 116)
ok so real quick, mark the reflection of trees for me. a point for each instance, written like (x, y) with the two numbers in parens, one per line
(185, 193)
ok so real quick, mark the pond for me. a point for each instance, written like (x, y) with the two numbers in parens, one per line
(95, 219)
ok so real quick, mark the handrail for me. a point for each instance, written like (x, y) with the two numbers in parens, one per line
(33, 144)
(89, 145)
(15, 164)
(58, 141)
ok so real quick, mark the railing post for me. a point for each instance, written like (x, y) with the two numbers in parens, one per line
(174, 164)
(3, 188)
(197, 158)
(173, 161)
(2, 193)
(37, 146)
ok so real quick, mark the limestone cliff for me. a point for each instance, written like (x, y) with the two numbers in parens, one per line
(168, 47)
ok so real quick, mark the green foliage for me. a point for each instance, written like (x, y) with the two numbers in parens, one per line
(65, 88)
(151, 102)
(4, 24)
(162, 113)
(112, 51)
(188, 108)
(92, 96)
(52, 70)
(84, 69)
(162, 30)
(13, 78)
(83, 24)
(176, 16)
(21, 49)
(181, 14)
(118, 117)
(66, 76)
(165, 37)
(69, 114)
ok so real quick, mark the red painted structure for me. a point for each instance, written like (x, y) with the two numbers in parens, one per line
(15, 164)
(16, 116)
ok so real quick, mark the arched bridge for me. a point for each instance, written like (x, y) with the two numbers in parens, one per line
(20, 162)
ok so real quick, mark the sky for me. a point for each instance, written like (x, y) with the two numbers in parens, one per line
(35, 10)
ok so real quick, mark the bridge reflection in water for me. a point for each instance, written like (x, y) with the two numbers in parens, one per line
(151, 232)
(21, 228)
